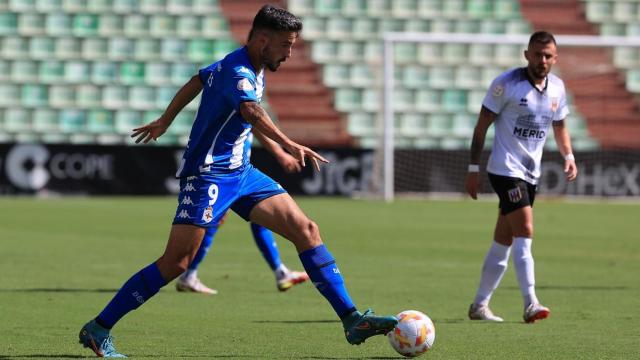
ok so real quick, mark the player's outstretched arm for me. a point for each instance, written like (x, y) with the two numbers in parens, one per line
(156, 128)
(260, 120)
(563, 140)
(485, 119)
(288, 162)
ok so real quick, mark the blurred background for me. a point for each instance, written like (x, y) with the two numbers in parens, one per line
(77, 75)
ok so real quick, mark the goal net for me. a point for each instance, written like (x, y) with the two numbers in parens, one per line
(434, 84)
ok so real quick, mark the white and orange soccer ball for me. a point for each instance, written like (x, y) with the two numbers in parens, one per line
(414, 335)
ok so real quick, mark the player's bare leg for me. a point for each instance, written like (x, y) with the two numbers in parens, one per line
(184, 241)
(282, 215)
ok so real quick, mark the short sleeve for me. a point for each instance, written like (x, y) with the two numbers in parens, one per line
(206, 74)
(562, 109)
(242, 86)
(496, 96)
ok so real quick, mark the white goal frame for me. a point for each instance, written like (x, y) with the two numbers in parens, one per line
(391, 38)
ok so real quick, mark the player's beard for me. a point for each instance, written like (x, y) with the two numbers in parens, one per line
(539, 72)
(272, 65)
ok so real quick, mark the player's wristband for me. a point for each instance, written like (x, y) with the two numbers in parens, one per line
(474, 168)
(570, 157)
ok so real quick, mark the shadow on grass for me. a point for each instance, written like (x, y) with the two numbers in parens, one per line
(43, 356)
(295, 321)
(60, 290)
(348, 358)
(573, 287)
(234, 356)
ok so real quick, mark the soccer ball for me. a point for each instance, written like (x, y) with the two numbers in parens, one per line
(413, 335)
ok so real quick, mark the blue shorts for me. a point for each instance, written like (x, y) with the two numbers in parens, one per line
(204, 199)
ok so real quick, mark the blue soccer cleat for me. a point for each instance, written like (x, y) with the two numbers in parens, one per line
(99, 340)
(359, 327)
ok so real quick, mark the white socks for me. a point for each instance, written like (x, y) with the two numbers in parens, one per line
(189, 274)
(523, 262)
(495, 264)
(281, 272)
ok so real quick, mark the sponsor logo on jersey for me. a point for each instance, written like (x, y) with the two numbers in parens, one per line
(207, 216)
(523, 102)
(184, 214)
(498, 90)
(527, 127)
(515, 195)
(244, 85)
(189, 187)
(529, 133)
(187, 200)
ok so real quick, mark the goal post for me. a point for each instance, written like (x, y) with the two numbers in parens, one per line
(391, 39)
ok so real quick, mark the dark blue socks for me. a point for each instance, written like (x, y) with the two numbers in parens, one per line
(323, 271)
(138, 289)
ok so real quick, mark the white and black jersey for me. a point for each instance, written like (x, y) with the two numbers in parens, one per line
(524, 115)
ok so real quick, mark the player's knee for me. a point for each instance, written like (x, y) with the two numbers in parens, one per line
(311, 232)
(172, 267)
(526, 230)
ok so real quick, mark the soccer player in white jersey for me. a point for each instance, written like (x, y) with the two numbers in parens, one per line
(522, 103)
(216, 174)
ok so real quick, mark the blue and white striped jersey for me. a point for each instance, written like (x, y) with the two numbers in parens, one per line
(218, 135)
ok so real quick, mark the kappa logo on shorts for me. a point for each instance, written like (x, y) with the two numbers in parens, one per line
(207, 216)
(187, 201)
(515, 195)
(189, 187)
(183, 214)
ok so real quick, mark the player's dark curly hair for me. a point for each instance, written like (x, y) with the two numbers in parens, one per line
(275, 19)
(542, 37)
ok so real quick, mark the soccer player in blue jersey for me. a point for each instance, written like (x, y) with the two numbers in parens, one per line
(216, 174)
(263, 237)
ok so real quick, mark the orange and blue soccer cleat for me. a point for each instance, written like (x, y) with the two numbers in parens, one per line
(99, 340)
(359, 327)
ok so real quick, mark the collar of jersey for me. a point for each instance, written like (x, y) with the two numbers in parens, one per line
(530, 80)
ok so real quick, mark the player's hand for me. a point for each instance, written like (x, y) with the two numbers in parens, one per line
(472, 184)
(289, 164)
(570, 169)
(300, 152)
(152, 130)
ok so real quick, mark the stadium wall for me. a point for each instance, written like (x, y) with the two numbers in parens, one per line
(38, 169)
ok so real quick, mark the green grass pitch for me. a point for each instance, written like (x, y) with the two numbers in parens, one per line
(61, 260)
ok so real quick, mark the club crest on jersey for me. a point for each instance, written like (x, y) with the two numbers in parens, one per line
(554, 103)
(207, 216)
(515, 195)
(244, 85)
(498, 90)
